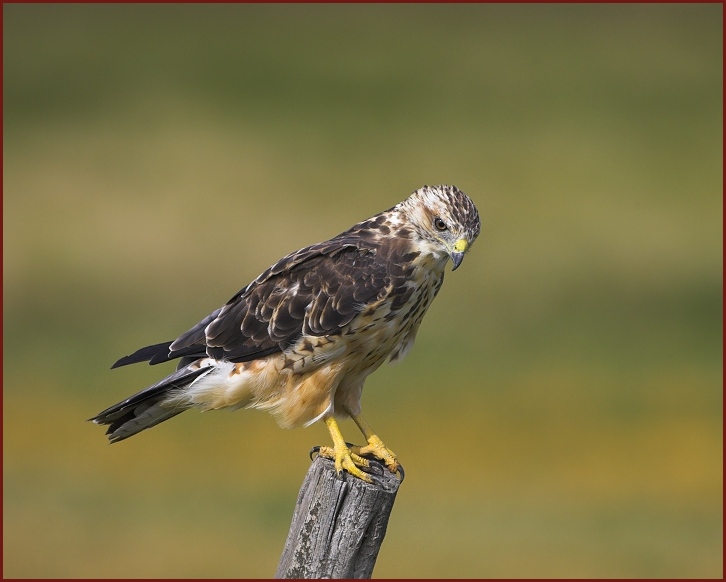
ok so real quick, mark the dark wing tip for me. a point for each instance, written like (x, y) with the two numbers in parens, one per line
(153, 354)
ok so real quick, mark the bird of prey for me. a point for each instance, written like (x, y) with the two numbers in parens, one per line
(301, 339)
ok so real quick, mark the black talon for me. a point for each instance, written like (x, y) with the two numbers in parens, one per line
(375, 472)
(373, 468)
(378, 481)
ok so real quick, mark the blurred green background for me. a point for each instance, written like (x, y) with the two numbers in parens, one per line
(561, 413)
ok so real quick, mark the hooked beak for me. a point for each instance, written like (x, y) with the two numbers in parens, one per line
(457, 255)
(456, 258)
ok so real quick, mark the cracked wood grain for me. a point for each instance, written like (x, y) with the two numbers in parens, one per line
(338, 524)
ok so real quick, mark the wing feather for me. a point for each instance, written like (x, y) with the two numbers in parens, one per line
(317, 290)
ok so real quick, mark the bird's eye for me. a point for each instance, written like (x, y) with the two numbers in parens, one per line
(439, 224)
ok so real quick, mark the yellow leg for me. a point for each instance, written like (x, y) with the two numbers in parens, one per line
(343, 456)
(375, 445)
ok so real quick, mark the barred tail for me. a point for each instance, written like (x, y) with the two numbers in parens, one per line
(146, 408)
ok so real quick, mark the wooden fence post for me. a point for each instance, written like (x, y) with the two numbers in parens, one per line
(338, 524)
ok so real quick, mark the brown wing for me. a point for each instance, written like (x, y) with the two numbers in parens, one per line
(315, 291)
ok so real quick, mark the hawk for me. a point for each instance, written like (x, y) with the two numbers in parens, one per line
(301, 339)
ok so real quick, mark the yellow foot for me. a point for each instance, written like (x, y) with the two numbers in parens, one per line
(376, 448)
(346, 459)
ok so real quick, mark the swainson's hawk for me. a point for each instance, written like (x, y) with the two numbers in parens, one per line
(302, 338)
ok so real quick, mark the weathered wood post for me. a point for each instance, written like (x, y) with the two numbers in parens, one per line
(338, 524)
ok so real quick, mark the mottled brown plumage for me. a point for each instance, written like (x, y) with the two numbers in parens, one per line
(301, 339)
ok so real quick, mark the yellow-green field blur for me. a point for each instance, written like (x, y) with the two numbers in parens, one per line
(561, 413)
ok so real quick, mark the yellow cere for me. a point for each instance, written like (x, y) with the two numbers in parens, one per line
(461, 245)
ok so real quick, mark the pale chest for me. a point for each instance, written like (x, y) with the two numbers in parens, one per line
(388, 328)
(384, 328)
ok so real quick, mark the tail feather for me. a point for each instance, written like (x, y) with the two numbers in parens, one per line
(146, 409)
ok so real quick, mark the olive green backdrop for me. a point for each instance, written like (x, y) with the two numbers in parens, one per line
(561, 413)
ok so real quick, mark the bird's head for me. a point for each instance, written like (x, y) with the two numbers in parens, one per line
(445, 220)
